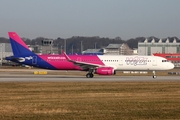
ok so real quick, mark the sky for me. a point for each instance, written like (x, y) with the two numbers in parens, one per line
(104, 18)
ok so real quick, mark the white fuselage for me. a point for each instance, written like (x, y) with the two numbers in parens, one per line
(136, 62)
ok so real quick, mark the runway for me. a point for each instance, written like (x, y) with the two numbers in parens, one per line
(76, 78)
(26, 75)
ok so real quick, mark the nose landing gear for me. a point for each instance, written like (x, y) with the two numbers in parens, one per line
(154, 75)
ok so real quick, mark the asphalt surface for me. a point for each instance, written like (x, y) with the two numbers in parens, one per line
(26, 75)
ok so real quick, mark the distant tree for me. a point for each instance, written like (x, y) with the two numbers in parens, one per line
(88, 42)
(4, 40)
(118, 38)
(133, 43)
(27, 41)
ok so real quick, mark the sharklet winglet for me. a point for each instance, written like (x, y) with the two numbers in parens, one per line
(66, 56)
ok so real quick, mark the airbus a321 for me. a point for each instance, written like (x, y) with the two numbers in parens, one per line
(93, 64)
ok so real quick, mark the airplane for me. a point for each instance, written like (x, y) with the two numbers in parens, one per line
(93, 64)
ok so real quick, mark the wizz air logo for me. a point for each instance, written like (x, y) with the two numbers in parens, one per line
(29, 58)
(136, 61)
(21, 59)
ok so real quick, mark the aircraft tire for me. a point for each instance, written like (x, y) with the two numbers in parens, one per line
(154, 76)
(89, 75)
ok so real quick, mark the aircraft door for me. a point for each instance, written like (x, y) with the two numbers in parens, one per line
(121, 61)
(154, 62)
(34, 60)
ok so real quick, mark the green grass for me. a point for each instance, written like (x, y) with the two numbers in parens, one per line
(89, 100)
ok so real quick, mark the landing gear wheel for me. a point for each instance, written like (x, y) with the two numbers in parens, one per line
(89, 75)
(154, 76)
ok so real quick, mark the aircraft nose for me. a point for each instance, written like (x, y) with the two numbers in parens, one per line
(171, 66)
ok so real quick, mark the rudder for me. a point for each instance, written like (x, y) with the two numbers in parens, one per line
(19, 48)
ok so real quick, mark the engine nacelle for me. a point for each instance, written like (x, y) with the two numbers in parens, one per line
(105, 71)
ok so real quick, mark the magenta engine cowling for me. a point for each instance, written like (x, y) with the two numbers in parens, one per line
(105, 71)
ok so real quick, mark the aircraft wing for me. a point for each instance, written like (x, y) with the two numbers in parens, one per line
(83, 65)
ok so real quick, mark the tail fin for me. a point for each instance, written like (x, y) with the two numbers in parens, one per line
(19, 48)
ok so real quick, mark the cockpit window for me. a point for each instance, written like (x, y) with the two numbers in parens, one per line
(164, 60)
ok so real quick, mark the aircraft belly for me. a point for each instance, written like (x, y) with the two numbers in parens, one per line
(135, 67)
(139, 67)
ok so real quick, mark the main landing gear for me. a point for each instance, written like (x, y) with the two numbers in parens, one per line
(90, 74)
(154, 75)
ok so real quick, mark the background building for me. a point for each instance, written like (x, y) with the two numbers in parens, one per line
(5, 50)
(47, 47)
(151, 46)
(93, 52)
(118, 49)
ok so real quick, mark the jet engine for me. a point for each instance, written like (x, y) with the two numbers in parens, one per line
(105, 71)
